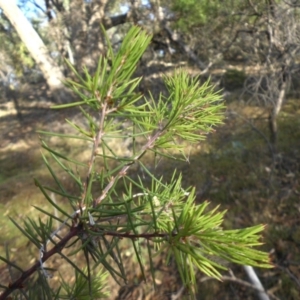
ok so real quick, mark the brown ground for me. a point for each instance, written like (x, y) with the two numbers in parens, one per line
(233, 168)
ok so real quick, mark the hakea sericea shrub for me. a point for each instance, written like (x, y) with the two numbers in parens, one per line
(163, 215)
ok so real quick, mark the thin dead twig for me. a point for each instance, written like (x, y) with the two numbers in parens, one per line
(242, 282)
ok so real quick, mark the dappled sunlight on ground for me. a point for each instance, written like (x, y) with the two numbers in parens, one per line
(232, 168)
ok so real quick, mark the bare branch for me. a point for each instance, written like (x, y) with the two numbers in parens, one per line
(233, 279)
(261, 293)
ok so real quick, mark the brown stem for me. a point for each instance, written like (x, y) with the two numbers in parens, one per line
(137, 236)
(97, 139)
(19, 283)
(123, 171)
(75, 231)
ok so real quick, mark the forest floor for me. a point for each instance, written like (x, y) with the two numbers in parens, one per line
(233, 168)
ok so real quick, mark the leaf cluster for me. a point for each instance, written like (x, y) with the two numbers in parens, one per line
(114, 205)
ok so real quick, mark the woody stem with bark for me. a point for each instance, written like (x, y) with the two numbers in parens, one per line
(148, 145)
(19, 283)
(96, 143)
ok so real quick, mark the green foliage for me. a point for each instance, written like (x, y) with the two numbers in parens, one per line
(83, 289)
(194, 12)
(113, 205)
(213, 13)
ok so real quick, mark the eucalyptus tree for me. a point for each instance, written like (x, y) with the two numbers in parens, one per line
(73, 32)
(52, 73)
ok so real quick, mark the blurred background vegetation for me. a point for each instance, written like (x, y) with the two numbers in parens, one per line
(249, 48)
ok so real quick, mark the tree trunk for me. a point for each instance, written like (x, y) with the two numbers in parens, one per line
(52, 74)
(275, 111)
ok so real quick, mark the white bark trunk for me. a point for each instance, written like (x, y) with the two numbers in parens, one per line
(53, 75)
(261, 294)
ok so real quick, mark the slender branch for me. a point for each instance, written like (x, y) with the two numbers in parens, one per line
(247, 284)
(38, 6)
(290, 274)
(19, 283)
(178, 294)
(137, 236)
(124, 170)
(232, 278)
(75, 231)
(173, 36)
(96, 143)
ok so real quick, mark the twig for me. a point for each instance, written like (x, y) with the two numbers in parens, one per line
(175, 38)
(19, 283)
(123, 171)
(232, 278)
(96, 143)
(178, 294)
(290, 274)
